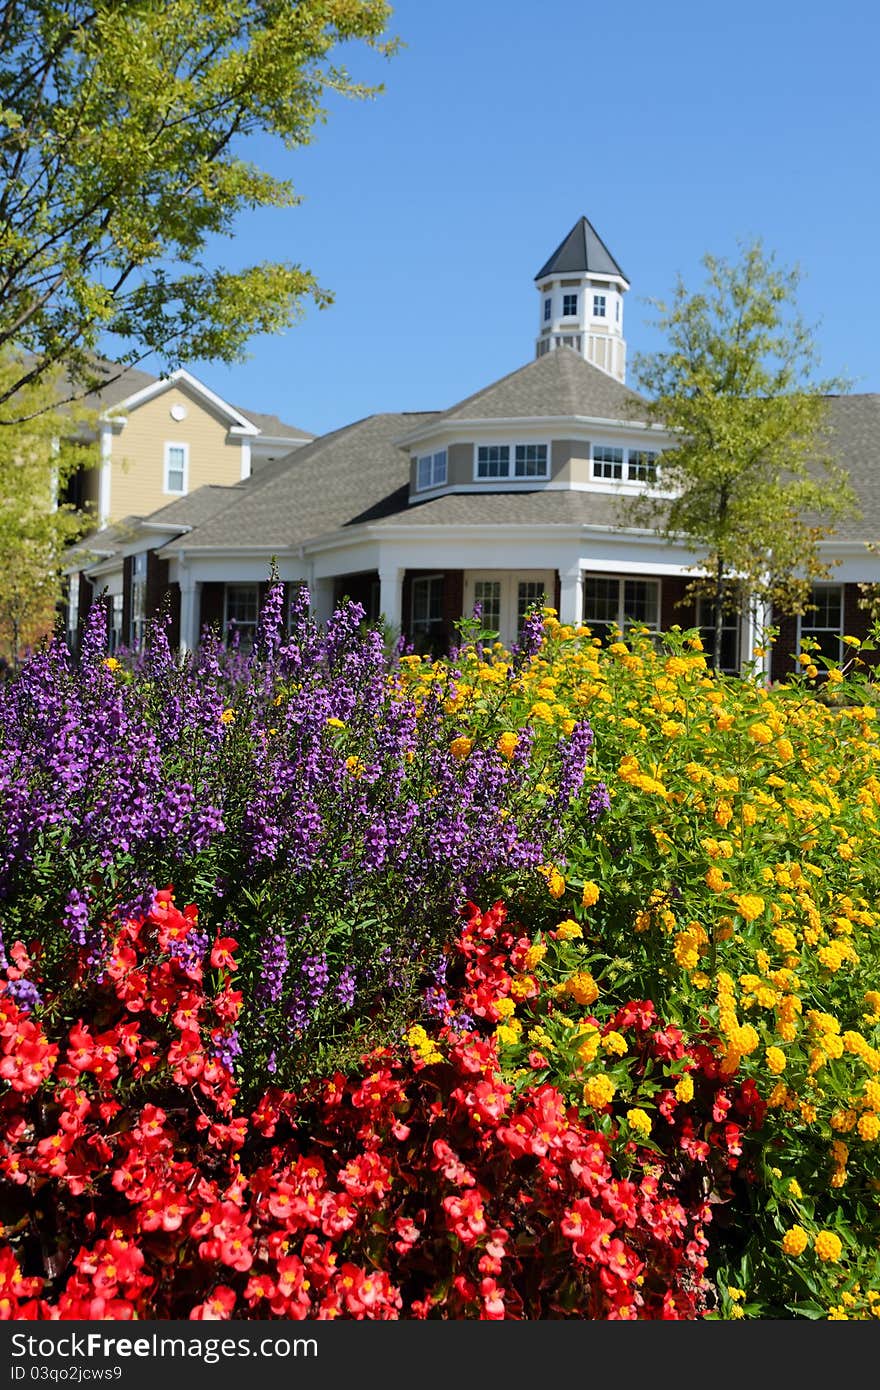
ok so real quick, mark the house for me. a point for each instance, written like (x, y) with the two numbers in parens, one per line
(512, 495)
(161, 440)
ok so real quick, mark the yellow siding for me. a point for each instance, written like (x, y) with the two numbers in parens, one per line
(138, 460)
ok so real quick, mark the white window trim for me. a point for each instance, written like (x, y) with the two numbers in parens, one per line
(571, 294)
(510, 581)
(433, 456)
(624, 481)
(239, 584)
(173, 492)
(805, 623)
(603, 317)
(622, 580)
(426, 579)
(511, 476)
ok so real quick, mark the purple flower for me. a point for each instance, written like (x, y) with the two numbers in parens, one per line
(599, 802)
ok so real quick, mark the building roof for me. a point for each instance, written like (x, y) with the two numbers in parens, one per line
(271, 426)
(561, 383)
(582, 251)
(354, 474)
(852, 435)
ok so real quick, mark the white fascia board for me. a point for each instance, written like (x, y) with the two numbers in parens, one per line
(467, 428)
(183, 377)
(277, 440)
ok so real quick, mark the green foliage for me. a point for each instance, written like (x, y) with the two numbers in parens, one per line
(122, 129)
(36, 462)
(751, 485)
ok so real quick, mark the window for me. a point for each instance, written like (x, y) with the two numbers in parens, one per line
(72, 609)
(730, 627)
(543, 347)
(114, 632)
(242, 613)
(823, 620)
(138, 620)
(431, 470)
(427, 612)
(617, 311)
(607, 462)
(598, 306)
(487, 593)
(641, 466)
(176, 467)
(529, 593)
(531, 461)
(548, 309)
(622, 603)
(493, 461)
(569, 306)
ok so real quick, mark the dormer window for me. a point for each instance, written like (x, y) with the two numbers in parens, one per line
(431, 470)
(641, 466)
(548, 309)
(569, 306)
(529, 461)
(598, 306)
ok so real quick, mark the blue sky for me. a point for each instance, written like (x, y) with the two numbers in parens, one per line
(677, 130)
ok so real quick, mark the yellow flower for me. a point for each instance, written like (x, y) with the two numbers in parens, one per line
(795, 1241)
(684, 1089)
(614, 1043)
(590, 895)
(775, 1060)
(761, 733)
(535, 954)
(111, 663)
(568, 930)
(505, 1006)
(507, 745)
(461, 747)
(333, 723)
(599, 1091)
(869, 1127)
(228, 716)
(749, 905)
(554, 879)
(794, 1189)
(639, 1121)
(582, 987)
(828, 1247)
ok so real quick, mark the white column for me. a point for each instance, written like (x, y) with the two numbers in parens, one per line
(755, 622)
(391, 595)
(321, 592)
(570, 604)
(245, 458)
(190, 604)
(106, 433)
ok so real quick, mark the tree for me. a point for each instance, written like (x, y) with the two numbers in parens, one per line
(123, 125)
(36, 462)
(750, 485)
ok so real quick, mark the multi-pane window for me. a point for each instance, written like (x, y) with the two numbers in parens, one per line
(607, 462)
(175, 467)
(487, 593)
(622, 603)
(531, 461)
(242, 613)
(823, 620)
(730, 628)
(114, 630)
(617, 310)
(493, 460)
(138, 620)
(529, 593)
(569, 306)
(431, 470)
(548, 308)
(641, 466)
(598, 306)
(426, 623)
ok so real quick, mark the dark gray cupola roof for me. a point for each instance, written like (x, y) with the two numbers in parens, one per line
(582, 250)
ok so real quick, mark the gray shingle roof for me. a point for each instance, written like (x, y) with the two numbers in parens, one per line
(852, 431)
(540, 508)
(583, 250)
(354, 474)
(559, 383)
(271, 425)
